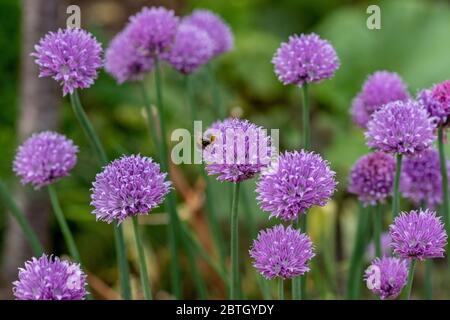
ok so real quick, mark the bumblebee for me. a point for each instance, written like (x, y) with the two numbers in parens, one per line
(205, 141)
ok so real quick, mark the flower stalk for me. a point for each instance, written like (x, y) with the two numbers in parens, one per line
(396, 194)
(142, 261)
(234, 228)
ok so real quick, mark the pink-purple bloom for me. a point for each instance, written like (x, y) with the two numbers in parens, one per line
(418, 235)
(437, 102)
(421, 179)
(125, 62)
(400, 127)
(129, 186)
(152, 30)
(305, 59)
(44, 158)
(70, 56)
(294, 183)
(380, 88)
(192, 49)
(282, 252)
(372, 178)
(49, 278)
(386, 277)
(217, 29)
(240, 150)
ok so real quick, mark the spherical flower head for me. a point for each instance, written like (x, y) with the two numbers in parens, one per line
(192, 49)
(282, 252)
(372, 178)
(385, 246)
(386, 277)
(437, 102)
(380, 88)
(305, 59)
(125, 62)
(70, 56)
(418, 235)
(44, 158)
(217, 29)
(49, 278)
(400, 127)
(129, 186)
(421, 179)
(295, 183)
(240, 150)
(152, 30)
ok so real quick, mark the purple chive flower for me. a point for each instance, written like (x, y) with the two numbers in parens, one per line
(192, 49)
(124, 62)
(240, 150)
(372, 178)
(437, 102)
(282, 252)
(44, 158)
(49, 278)
(380, 88)
(421, 179)
(152, 30)
(305, 59)
(217, 29)
(70, 56)
(400, 127)
(386, 277)
(385, 246)
(418, 235)
(295, 183)
(129, 186)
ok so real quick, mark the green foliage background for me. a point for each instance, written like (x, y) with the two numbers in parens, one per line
(413, 41)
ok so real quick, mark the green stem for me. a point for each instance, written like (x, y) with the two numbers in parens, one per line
(306, 130)
(22, 221)
(443, 165)
(408, 287)
(280, 289)
(149, 117)
(67, 234)
(377, 227)
(196, 275)
(92, 136)
(217, 101)
(302, 279)
(170, 203)
(219, 268)
(190, 99)
(396, 195)
(428, 279)
(234, 277)
(356, 262)
(142, 261)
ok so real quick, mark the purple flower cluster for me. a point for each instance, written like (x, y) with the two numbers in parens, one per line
(305, 59)
(240, 150)
(295, 183)
(400, 127)
(152, 30)
(70, 56)
(386, 277)
(44, 158)
(418, 235)
(49, 278)
(191, 49)
(421, 179)
(380, 88)
(124, 62)
(217, 29)
(282, 252)
(437, 102)
(128, 186)
(372, 177)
